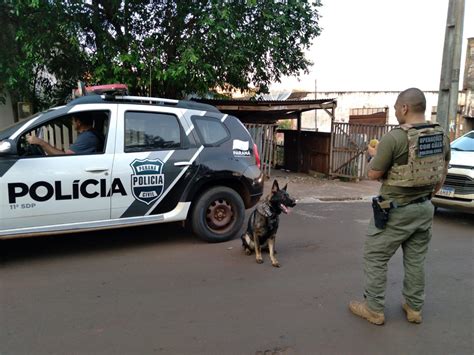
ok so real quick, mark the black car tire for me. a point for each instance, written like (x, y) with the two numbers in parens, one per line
(218, 215)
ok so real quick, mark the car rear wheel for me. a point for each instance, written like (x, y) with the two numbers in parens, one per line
(218, 215)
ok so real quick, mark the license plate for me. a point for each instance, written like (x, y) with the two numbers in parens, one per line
(446, 191)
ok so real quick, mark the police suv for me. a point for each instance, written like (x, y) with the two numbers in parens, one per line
(160, 160)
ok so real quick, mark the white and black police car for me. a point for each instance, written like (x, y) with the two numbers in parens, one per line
(159, 160)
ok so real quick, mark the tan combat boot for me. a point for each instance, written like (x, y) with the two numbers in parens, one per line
(362, 310)
(412, 315)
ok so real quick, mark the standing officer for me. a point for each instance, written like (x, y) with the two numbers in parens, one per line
(412, 162)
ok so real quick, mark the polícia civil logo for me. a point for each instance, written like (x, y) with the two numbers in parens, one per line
(147, 180)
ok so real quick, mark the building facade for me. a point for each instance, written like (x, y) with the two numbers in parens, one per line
(350, 100)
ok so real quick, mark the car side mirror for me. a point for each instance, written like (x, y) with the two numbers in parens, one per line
(8, 147)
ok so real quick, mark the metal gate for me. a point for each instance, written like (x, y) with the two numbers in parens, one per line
(348, 147)
(263, 136)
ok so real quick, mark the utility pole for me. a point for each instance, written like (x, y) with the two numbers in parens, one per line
(449, 82)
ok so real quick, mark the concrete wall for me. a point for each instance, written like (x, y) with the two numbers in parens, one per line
(6, 113)
(348, 100)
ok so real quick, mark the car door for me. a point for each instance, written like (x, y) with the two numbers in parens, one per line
(155, 160)
(59, 192)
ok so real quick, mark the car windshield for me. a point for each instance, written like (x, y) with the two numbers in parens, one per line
(464, 143)
(8, 131)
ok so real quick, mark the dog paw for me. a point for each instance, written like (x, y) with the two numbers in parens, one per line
(259, 261)
(277, 264)
(248, 252)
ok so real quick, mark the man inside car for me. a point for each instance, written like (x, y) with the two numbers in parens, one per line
(88, 140)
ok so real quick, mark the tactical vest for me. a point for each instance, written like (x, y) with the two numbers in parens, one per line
(426, 154)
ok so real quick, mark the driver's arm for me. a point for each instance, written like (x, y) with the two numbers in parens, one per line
(48, 148)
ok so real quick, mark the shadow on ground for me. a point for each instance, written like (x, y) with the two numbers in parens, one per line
(94, 242)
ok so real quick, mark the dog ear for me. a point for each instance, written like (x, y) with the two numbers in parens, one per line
(275, 186)
(286, 185)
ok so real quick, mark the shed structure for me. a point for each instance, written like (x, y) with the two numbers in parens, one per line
(268, 112)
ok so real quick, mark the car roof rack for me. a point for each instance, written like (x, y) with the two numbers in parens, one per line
(141, 99)
(192, 105)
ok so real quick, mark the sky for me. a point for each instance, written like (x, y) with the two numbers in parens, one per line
(379, 45)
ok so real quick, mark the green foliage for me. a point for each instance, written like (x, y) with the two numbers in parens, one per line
(284, 124)
(177, 47)
(40, 57)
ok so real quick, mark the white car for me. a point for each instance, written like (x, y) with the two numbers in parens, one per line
(458, 189)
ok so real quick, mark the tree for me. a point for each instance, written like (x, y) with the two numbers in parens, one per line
(173, 47)
(40, 57)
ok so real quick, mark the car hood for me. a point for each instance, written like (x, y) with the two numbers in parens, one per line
(462, 158)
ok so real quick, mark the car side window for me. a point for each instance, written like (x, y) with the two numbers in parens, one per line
(211, 131)
(61, 134)
(149, 131)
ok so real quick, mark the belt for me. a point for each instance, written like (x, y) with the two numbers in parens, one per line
(420, 200)
(417, 200)
(393, 204)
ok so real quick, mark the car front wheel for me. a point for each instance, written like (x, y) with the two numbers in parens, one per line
(218, 215)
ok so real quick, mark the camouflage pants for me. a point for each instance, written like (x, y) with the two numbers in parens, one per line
(409, 227)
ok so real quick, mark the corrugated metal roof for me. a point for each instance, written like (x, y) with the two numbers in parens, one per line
(263, 102)
(264, 111)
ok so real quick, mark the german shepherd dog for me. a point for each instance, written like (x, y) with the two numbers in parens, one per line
(263, 223)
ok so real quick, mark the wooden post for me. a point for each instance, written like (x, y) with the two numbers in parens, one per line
(331, 143)
(315, 111)
(271, 160)
(298, 143)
